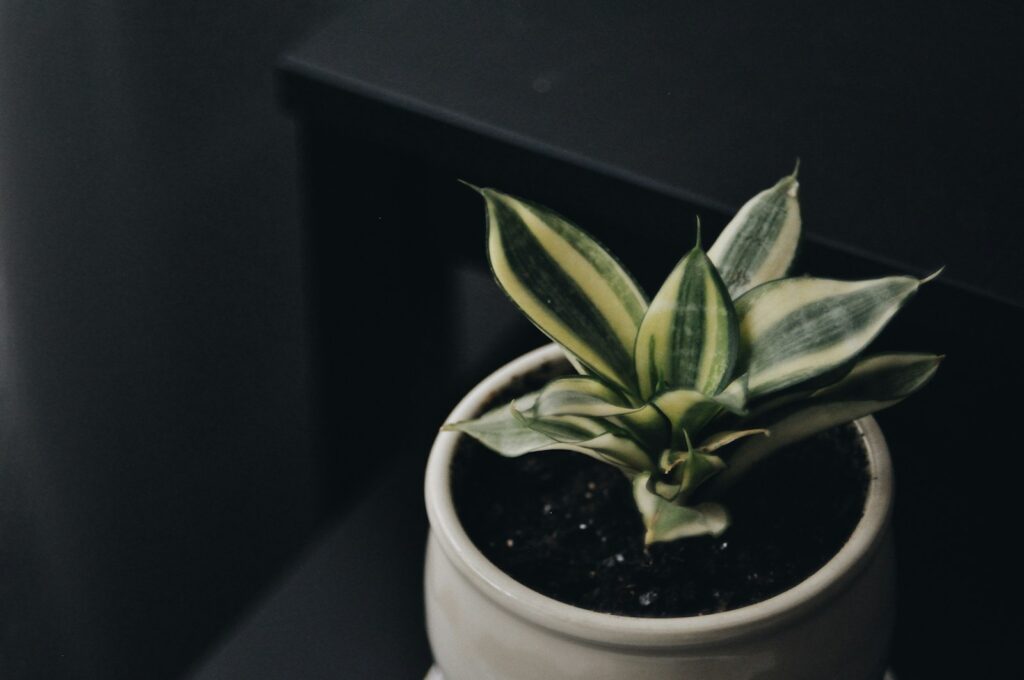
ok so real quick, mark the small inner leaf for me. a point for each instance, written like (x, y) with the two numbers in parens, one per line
(667, 521)
(689, 470)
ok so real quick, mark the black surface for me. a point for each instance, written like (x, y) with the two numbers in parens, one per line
(353, 607)
(906, 115)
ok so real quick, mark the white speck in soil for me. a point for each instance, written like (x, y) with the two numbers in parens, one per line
(509, 542)
(619, 558)
(647, 598)
(547, 509)
(583, 527)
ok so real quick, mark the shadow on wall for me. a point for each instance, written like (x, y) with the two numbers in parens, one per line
(155, 465)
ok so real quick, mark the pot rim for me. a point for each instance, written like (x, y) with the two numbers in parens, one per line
(649, 633)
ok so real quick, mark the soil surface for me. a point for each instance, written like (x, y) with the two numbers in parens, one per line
(566, 526)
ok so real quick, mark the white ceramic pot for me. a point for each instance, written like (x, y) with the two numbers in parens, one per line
(482, 624)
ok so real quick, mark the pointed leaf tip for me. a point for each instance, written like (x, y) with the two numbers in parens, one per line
(934, 275)
(471, 186)
(759, 243)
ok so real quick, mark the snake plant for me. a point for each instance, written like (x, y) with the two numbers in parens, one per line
(729, 362)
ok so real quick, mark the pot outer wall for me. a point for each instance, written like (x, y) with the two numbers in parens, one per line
(835, 625)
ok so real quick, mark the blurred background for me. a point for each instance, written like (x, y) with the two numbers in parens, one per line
(162, 404)
(155, 465)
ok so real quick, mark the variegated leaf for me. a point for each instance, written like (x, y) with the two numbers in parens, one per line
(689, 337)
(567, 284)
(722, 439)
(665, 521)
(580, 396)
(735, 395)
(795, 329)
(601, 437)
(584, 396)
(688, 411)
(500, 430)
(759, 244)
(874, 383)
(893, 375)
(565, 429)
(682, 472)
(615, 449)
(647, 425)
(575, 363)
(511, 433)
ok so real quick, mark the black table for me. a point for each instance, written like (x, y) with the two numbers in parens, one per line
(352, 606)
(630, 120)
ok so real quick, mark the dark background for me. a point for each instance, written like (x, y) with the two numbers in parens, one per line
(170, 405)
(155, 468)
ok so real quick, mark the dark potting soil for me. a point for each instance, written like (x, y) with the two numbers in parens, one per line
(566, 526)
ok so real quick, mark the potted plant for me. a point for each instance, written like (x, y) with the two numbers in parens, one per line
(724, 520)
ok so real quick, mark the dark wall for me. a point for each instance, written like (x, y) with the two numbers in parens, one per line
(906, 114)
(155, 464)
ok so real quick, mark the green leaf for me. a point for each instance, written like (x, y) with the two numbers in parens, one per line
(621, 451)
(591, 398)
(567, 284)
(500, 430)
(596, 436)
(682, 472)
(667, 521)
(735, 395)
(688, 411)
(721, 439)
(513, 433)
(792, 330)
(893, 375)
(689, 337)
(579, 396)
(566, 429)
(874, 383)
(759, 244)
